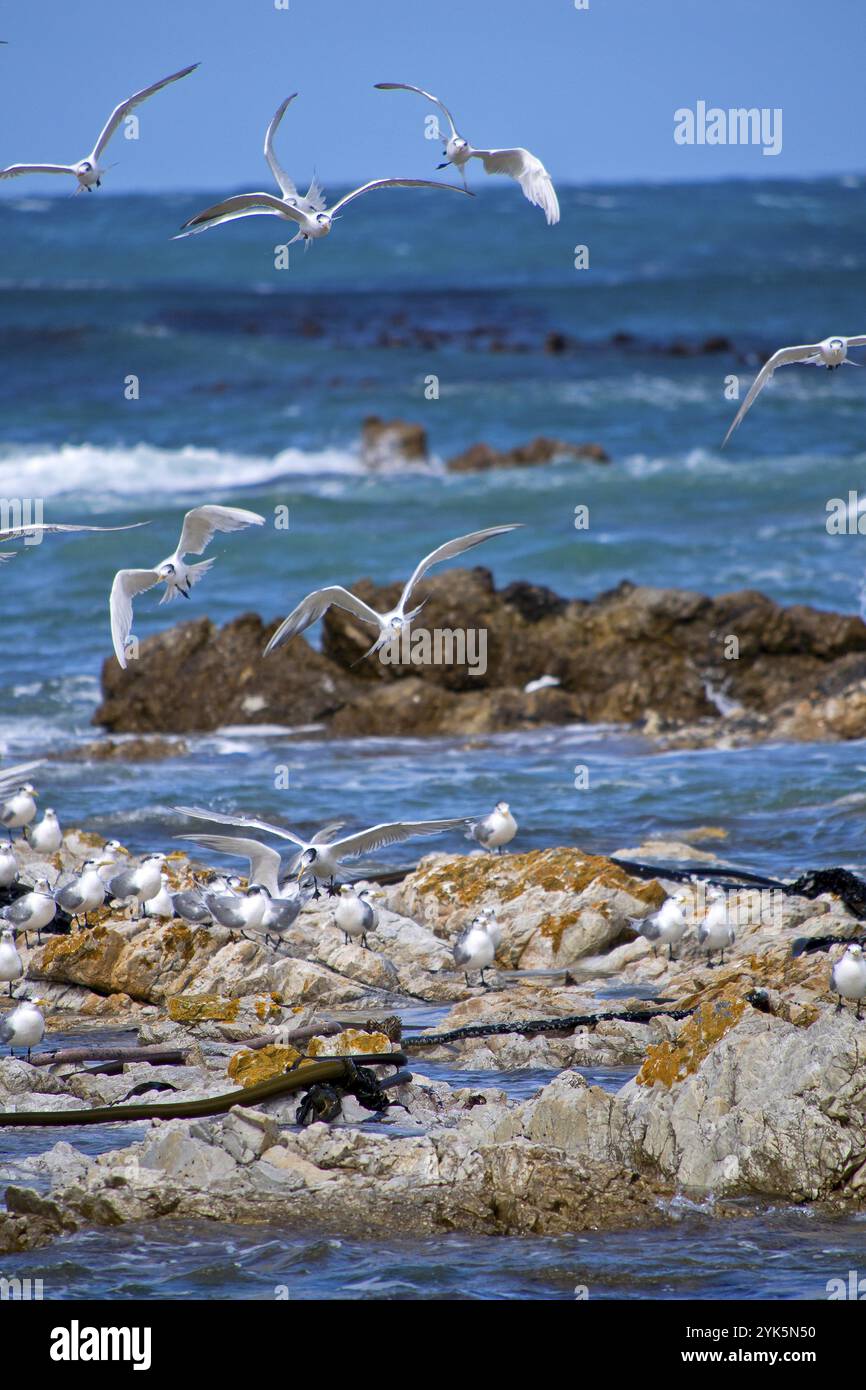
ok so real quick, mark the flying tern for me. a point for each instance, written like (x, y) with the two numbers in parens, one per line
(89, 171)
(831, 353)
(38, 528)
(199, 527)
(310, 609)
(518, 163)
(313, 217)
(321, 859)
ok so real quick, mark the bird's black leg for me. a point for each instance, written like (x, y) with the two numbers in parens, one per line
(333, 892)
(670, 951)
(710, 960)
(722, 956)
(466, 973)
(859, 1001)
(366, 947)
(839, 1005)
(345, 938)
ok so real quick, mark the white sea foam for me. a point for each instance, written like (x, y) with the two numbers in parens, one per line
(96, 473)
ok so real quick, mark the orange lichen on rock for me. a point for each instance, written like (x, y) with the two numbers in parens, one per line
(196, 1008)
(668, 1062)
(351, 1042)
(250, 1066)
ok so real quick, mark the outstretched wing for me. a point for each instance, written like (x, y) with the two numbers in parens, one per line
(124, 108)
(241, 205)
(449, 550)
(311, 608)
(286, 184)
(396, 183)
(12, 171)
(392, 833)
(264, 862)
(529, 172)
(251, 823)
(16, 532)
(808, 352)
(127, 583)
(202, 523)
(406, 87)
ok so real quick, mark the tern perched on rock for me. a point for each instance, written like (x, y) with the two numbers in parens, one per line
(108, 859)
(199, 528)
(11, 965)
(848, 977)
(716, 932)
(84, 893)
(668, 925)
(474, 949)
(518, 163)
(161, 904)
(140, 883)
(496, 830)
(831, 353)
(8, 866)
(239, 911)
(89, 171)
(45, 836)
(355, 915)
(391, 624)
(19, 809)
(321, 859)
(24, 1027)
(33, 911)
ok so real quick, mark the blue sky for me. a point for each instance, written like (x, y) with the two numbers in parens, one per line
(592, 92)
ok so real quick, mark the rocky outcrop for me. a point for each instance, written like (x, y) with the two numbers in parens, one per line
(388, 442)
(689, 668)
(480, 458)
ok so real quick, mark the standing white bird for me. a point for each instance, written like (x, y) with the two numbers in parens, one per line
(492, 925)
(24, 1027)
(474, 949)
(45, 836)
(199, 528)
(85, 892)
(8, 866)
(391, 624)
(321, 858)
(831, 353)
(108, 859)
(18, 810)
(161, 904)
(11, 965)
(716, 932)
(848, 977)
(33, 911)
(140, 883)
(496, 830)
(668, 925)
(88, 171)
(355, 915)
(518, 163)
(239, 911)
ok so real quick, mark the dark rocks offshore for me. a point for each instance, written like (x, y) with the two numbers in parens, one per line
(686, 668)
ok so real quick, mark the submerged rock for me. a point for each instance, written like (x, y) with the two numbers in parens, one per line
(479, 458)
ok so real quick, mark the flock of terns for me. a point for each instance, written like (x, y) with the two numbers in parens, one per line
(314, 219)
(276, 894)
(271, 902)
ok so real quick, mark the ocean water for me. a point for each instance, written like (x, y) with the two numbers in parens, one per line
(253, 383)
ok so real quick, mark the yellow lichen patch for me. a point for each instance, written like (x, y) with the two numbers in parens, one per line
(250, 1066)
(673, 1061)
(463, 881)
(268, 1009)
(552, 927)
(351, 1042)
(196, 1008)
(79, 943)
